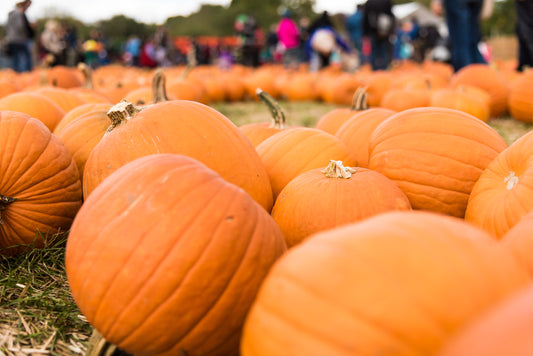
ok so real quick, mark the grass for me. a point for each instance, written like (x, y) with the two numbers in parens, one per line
(37, 313)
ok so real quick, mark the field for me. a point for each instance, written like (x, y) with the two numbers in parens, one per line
(37, 313)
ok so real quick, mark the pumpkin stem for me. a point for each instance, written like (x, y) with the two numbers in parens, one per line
(278, 116)
(359, 102)
(190, 65)
(120, 113)
(511, 180)
(159, 91)
(87, 75)
(336, 169)
(98, 346)
(4, 202)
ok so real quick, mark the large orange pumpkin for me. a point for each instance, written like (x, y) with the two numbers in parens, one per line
(503, 194)
(165, 257)
(399, 283)
(435, 155)
(40, 190)
(296, 150)
(321, 199)
(184, 127)
(504, 330)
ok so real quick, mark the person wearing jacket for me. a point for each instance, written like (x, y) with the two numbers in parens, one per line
(19, 33)
(289, 40)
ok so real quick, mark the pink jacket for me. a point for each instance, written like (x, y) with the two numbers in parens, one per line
(288, 33)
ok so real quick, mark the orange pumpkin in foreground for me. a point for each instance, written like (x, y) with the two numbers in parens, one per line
(435, 155)
(520, 240)
(165, 257)
(399, 283)
(505, 330)
(40, 189)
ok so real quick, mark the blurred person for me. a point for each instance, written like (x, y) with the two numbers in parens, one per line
(379, 26)
(289, 40)
(354, 26)
(52, 43)
(462, 18)
(324, 42)
(19, 36)
(524, 32)
(132, 50)
(91, 49)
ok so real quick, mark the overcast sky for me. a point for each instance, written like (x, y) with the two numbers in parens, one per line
(149, 11)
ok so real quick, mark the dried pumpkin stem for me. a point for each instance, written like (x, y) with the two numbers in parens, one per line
(359, 102)
(98, 346)
(120, 113)
(4, 202)
(278, 116)
(87, 76)
(336, 169)
(159, 90)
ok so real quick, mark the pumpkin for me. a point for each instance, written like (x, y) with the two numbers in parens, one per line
(65, 99)
(34, 104)
(75, 113)
(64, 77)
(356, 131)
(435, 155)
(505, 329)
(81, 135)
(296, 150)
(520, 98)
(520, 240)
(40, 190)
(398, 283)
(406, 98)
(333, 120)
(184, 127)
(487, 78)
(471, 100)
(321, 199)
(503, 195)
(166, 257)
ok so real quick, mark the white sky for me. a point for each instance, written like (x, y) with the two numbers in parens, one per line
(149, 11)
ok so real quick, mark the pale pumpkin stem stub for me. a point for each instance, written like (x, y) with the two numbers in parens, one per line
(120, 113)
(511, 180)
(336, 169)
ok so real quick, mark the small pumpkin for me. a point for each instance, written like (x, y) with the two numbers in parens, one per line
(321, 199)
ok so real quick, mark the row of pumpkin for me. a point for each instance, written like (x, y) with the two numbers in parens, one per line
(482, 90)
(193, 235)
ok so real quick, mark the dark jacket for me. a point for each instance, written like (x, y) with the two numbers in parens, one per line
(374, 10)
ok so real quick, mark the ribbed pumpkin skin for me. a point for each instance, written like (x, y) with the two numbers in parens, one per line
(312, 202)
(36, 105)
(505, 329)
(182, 127)
(64, 98)
(356, 131)
(503, 193)
(165, 255)
(38, 171)
(399, 283)
(435, 155)
(296, 150)
(81, 135)
(77, 112)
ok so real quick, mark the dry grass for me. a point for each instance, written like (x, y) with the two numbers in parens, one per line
(37, 313)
